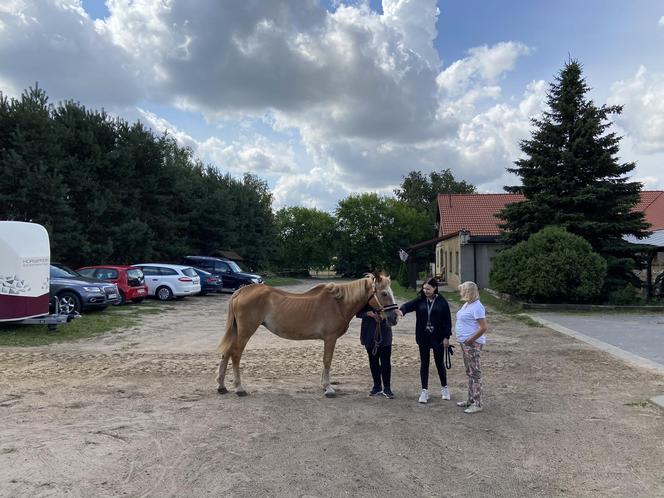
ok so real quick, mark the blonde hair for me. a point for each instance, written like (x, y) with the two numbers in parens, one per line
(469, 292)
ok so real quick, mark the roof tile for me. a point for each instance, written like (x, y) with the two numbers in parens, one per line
(476, 212)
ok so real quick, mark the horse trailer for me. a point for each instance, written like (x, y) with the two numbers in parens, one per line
(24, 274)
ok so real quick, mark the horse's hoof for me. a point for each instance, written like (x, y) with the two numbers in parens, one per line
(330, 394)
(241, 393)
(222, 390)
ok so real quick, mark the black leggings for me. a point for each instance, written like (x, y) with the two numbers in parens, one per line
(380, 365)
(424, 365)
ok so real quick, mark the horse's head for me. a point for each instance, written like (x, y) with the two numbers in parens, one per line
(383, 294)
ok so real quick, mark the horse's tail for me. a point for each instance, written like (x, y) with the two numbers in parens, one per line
(230, 336)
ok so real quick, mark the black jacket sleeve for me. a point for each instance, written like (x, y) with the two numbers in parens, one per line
(409, 306)
(446, 319)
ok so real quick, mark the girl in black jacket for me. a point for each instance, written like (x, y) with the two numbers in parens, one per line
(379, 348)
(432, 331)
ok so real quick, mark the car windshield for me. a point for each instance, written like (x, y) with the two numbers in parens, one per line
(62, 272)
(234, 266)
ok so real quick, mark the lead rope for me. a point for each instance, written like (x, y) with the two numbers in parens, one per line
(449, 351)
(378, 336)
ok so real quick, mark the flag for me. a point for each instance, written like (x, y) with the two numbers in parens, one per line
(403, 255)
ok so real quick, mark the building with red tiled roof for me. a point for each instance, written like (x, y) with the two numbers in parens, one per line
(472, 212)
(652, 205)
(468, 232)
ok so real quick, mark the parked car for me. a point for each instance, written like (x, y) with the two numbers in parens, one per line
(232, 276)
(166, 281)
(130, 280)
(209, 282)
(76, 293)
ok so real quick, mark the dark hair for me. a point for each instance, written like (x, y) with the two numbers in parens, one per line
(433, 283)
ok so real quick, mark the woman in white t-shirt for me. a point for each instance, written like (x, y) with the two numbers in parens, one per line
(470, 329)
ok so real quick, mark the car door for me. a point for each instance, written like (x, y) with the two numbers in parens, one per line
(169, 277)
(228, 279)
(152, 278)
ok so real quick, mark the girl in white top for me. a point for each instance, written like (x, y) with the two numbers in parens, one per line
(470, 328)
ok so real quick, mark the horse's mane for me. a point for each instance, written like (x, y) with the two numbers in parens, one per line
(351, 290)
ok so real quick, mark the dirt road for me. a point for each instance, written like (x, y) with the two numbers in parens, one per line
(136, 414)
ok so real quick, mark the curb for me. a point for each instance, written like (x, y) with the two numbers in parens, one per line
(651, 308)
(627, 357)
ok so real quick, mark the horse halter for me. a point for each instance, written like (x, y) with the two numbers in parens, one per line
(380, 308)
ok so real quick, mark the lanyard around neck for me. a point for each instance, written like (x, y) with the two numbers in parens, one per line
(430, 306)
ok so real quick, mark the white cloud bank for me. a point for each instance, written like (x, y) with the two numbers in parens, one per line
(354, 99)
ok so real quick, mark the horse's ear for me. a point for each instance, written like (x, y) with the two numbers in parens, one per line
(377, 276)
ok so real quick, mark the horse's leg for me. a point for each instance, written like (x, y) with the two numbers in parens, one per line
(243, 338)
(223, 364)
(327, 362)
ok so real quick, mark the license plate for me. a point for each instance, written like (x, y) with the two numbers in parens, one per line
(141, 291)
(112, 296)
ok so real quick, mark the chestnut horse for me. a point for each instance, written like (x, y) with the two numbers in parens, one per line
(324, 312)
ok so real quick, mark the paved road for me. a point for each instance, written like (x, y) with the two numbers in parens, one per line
(638, 334)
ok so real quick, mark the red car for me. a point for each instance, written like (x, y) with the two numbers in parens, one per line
(130, 280)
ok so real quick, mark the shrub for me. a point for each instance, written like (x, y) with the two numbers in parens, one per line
(628, 295)
(553, 266)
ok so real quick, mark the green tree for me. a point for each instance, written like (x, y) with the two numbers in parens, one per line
(571, 177)
(551, 266)
(306, 238)
(108, 191)
(371, 231)
(32, 186)
(421, 192)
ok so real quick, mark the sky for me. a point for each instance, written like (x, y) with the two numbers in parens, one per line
(326, 98)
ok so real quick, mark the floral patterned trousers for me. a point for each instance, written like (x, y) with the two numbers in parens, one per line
(471, 360)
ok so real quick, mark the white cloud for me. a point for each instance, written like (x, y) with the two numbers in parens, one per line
(661, 21)
(57, 45)
(643, 114)
(354, 99)
(251, 153)
(484, 65)
(416, 20)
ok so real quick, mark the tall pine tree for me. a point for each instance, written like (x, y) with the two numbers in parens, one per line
(571, 177)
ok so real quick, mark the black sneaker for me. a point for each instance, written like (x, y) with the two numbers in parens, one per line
(387, 392)
(375, 390)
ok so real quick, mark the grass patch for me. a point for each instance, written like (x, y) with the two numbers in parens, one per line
(402, 292)
(89, 324)
(451, 296)
(277, 281)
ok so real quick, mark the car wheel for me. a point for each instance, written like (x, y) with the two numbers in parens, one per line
(137, 300)
(164, 293)
(69, 303)
(120, 301)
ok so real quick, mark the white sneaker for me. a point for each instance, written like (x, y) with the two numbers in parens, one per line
(424, 396)
(473, 409)
(445, 392)
(464, 404)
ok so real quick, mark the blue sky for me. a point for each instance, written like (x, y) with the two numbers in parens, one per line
(327, 98)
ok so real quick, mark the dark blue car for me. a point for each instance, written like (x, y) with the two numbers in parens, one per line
(209, 282)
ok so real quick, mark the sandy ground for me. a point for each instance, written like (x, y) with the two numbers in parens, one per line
(136, 414)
